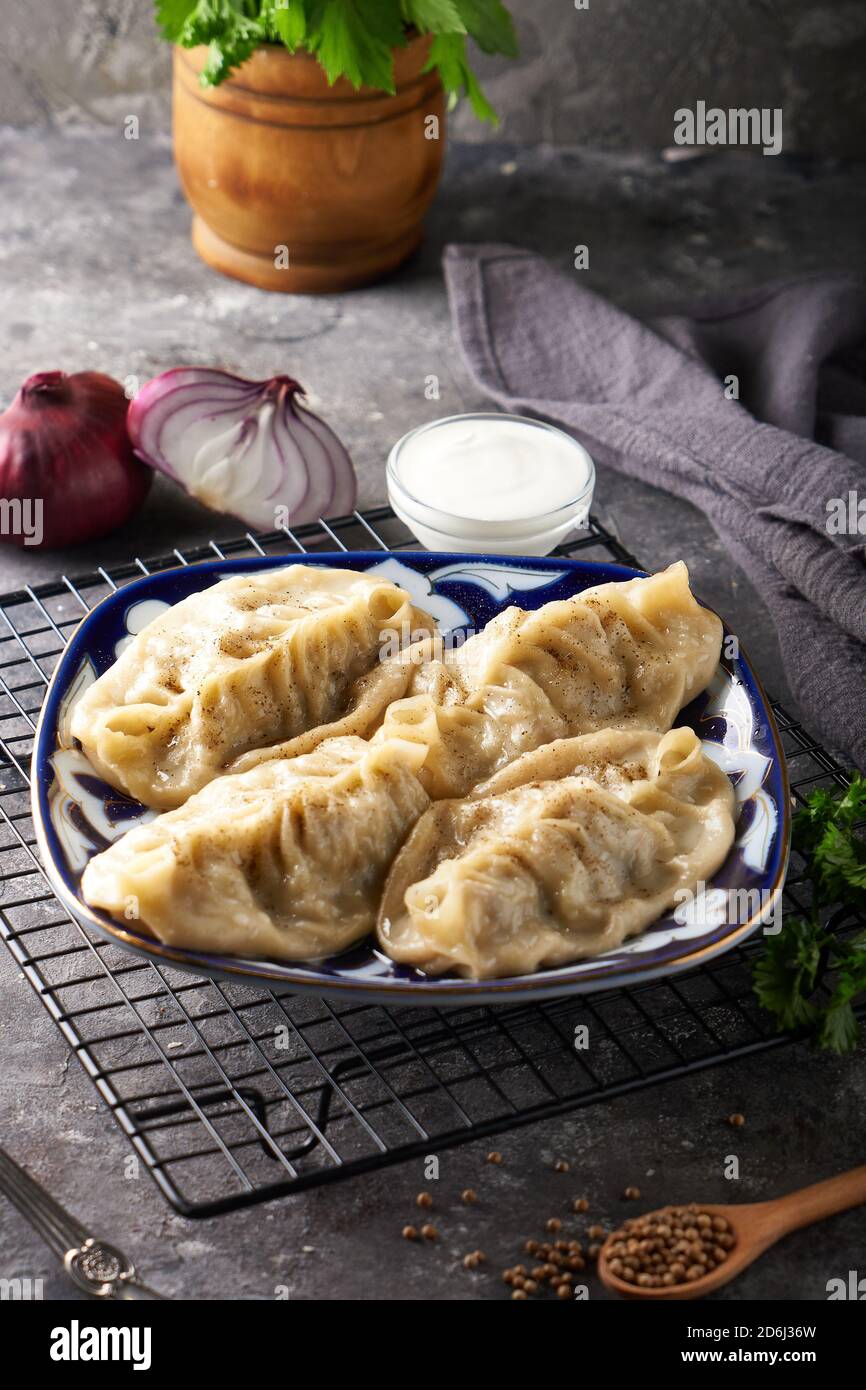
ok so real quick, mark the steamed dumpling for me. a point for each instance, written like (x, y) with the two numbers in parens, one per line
(281, 655)
(535, 872)
(285, 861)
(622, 655)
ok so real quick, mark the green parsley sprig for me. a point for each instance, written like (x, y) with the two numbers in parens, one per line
(825, 832)
(350, 38)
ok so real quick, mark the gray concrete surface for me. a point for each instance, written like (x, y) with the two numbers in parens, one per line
(611, 74)
(96, 270)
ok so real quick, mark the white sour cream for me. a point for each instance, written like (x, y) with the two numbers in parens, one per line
(499, 483)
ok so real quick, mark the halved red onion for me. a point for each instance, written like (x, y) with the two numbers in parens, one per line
(247, 448)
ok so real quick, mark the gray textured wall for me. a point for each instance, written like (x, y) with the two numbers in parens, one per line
(611, 75)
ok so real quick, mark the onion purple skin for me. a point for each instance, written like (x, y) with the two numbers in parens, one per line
(319, 477)
(64, 442)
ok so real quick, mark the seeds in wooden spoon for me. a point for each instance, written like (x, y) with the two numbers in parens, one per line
(674, 1246)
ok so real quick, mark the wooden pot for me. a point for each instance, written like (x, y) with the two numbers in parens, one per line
(302, 187)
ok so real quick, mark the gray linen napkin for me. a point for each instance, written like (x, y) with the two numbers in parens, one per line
(655, 407)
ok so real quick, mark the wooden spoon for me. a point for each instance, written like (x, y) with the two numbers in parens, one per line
(755, 1226)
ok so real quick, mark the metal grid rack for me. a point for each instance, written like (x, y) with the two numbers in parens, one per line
(232, 1094)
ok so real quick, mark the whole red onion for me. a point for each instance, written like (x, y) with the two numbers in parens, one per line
(66, 459)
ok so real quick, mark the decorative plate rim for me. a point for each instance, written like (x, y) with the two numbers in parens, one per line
(426, 991)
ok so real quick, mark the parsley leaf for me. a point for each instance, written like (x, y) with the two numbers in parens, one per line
(231, 35)
(434, 16)
(840, 1030)
(852, 807)
(355, 38)
(448, 54)
(841, 862)
(825, 832)
(286, 20)
(490, 25)
(171, 15)
(786, 973)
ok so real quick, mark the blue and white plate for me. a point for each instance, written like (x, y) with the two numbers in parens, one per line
(76, 814)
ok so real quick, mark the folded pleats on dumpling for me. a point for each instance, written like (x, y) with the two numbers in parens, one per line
(288, 656)
(285, 861)
(621, 655)
(566, 853)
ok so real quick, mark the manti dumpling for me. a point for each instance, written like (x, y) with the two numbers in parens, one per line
(621, 655)
(285, 861)
(563, 855)
(288, 655)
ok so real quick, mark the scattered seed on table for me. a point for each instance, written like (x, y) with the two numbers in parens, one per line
(410, 1233)
(593, 1251)
(580, 1204)
(494, 1156)
(423, 1200)
(429, 1232)
(561, 1166)
(531, 1247)
(480, 1256)
(564, 1291)
(596, 1233)
(519, 1293)
(469, 1195)
(736, 1120)
(631, 1194)
(470, 1261)
(553, 1225)
(531, 1286)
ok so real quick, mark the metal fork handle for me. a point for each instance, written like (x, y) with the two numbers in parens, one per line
(98, 1268)
(59, 1230)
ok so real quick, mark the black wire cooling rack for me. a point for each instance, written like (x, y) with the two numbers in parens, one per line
(230, 1094)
